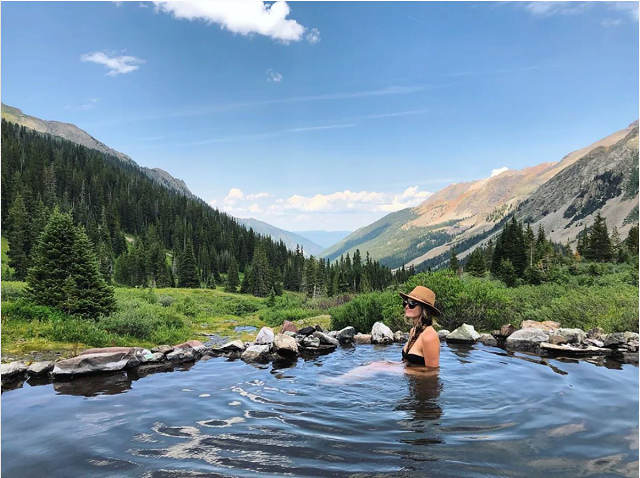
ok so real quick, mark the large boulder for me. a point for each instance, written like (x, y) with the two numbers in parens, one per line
(325, 338)
(400, 336)
(233, 346)
(288, 326)
(285, 345)
(107, 359)
(345, 335)
(547, 325)
(256, 353)
(187, 351)
(381, 334)
(465, 333)
(362, 338)
(615, 340)
(12, 371)
(527, 340)
(572, 336)
(265, 336)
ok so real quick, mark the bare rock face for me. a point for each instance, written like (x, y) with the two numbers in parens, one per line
(527, 340)
(285, 345)
(464, 333)
(381, 334)
(547, 325)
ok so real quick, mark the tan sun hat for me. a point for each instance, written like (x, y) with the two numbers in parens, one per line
(423, 295)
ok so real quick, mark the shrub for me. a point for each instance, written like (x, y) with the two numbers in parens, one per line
(12, 290)
(71, 329)
(166, 300)
(366, 309)
(188, 307)
(22, 309)
(140, 320)
(275, 317)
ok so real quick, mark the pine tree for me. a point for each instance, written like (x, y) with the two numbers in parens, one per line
(18, 236)
(232, 276)
(187, 272)
(631, 242)
(454, 265)
(475, 264)
(65, 272)
(599, 244)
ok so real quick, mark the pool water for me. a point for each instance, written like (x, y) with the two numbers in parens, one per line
(486, 413)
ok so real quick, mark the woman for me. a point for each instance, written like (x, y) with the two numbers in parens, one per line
(422, 349)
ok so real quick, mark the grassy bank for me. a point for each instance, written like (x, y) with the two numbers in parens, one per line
(147, 317)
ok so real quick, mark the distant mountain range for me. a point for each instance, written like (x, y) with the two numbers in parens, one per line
(324, 238)
(291, 239)
(562, 196)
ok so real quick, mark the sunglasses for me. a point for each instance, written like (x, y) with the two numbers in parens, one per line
(409, 303)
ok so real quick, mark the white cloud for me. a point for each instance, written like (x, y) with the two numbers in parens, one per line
(233, 196)
(495, 172)
(610, 22)
(239, 16)
(273, 76)
(313, 35)
(630, 8)
(117, 65)
(547, 9)
(255, 208)
(253, 197)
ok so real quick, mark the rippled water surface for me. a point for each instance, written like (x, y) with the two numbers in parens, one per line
(486, 413)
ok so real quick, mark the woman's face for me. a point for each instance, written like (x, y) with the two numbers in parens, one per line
(414, 313)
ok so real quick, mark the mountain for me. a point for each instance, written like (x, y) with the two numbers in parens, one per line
(74, 134)
(593, 178)
(291, 239)
(324, 238)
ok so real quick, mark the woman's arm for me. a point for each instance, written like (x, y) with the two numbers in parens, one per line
(431, 349)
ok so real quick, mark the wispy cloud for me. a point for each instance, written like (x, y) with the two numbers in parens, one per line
(273, 76)
(268, 134)
(87, 105)
(244, 17)
(313, 35)
(117, 65)
(548, 9)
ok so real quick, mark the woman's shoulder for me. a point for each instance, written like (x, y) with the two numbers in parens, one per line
(430, 334)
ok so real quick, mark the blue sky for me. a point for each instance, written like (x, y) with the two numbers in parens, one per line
(312, 115)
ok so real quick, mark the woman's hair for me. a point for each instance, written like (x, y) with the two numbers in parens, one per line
(425, 321)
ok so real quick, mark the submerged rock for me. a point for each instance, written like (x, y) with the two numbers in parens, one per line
(362, 338)
(464, 333)
(381, 334)
(527, 340)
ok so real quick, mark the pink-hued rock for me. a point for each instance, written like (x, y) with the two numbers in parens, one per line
(288, 326)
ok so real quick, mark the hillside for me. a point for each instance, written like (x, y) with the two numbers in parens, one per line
(76, 135)
(464, 214)
(291, 239)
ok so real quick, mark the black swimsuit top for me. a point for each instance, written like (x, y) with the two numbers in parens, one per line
(413, 358)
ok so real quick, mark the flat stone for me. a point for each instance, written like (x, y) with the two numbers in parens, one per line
(164, 349)
(572, 350)
(285, 345)
(546, 325)
(594, 342)
(464, 333)
(107, 361)
(12, 371)
(346, 335)
(443, 334)
(527, 340)
(40, 368)
(325, 339)
(256, 353)
(153, 357)
(307, 330)
(557, 339)
(381, 334)
(488, 339)
(196, 345)
(362, 338)
(182, 354)
(265, 336)
(234, 345)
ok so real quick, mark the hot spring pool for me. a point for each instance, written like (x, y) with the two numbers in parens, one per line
(487, 413)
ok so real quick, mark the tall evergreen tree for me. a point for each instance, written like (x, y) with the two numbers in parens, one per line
(475, 264)
(18, 236)
(233, 280)
(599, 243)
(187, 272)
(65, 272)
(454, 264)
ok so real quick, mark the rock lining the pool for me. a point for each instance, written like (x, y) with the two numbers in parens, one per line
(541, 338)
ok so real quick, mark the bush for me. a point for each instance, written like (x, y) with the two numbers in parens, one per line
(166, 300)
(22, 309)
(275, 317)
(71, 329)
(12, 290)
(140, 320)
(366, 309)
(188, 307)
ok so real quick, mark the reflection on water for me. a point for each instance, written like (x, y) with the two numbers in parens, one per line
(484, 413)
